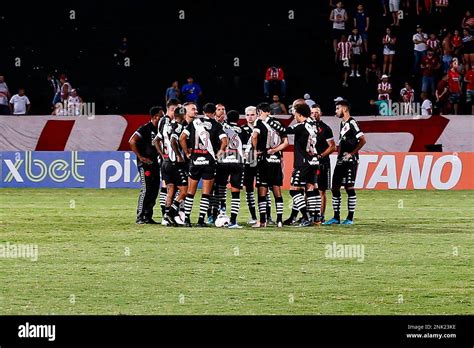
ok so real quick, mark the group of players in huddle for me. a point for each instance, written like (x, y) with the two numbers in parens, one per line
(177, 149)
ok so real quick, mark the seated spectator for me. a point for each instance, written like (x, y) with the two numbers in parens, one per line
(426, 106)
(307, 99)
(468, 48)
(274, 77)
(384, 88)
(74, 104)
(20, 104)
(442, 95)
(278, 108)
(408, 98)
(362, 22)
(338, 17)
(4, 97)
(420, 47)
(469, 80)
(389, 41)
(383, 106)
(172, 92)
(356, 44)
(344, 54)
(429, 66)
(191, 91)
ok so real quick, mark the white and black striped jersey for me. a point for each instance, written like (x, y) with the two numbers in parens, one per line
(305, 143)
(350, 133)
(270, 133)
(234, 153)
(204, 138)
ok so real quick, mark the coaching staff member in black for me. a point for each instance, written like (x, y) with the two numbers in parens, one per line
(141, 143)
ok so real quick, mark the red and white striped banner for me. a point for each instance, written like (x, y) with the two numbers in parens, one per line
(111, 132)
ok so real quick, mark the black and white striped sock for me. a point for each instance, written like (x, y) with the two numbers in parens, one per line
(251, 203)
(279, 208)
(203, 208)
(188, 206)
(262, 208)
(351, 203)
(234, 207)
(336, 204)
(269, 205)
(222, 190)
(163, 193)
(311, 202)
(299, 202)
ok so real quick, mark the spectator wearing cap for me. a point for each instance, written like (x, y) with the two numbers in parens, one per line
(307, 99)
(420, 47)
(278, 108)
(191, 91)
(384, 88)
(4, 97)
(429, 66)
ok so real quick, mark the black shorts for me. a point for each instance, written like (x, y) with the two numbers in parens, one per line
(174, 173)
(204, 172)
(250, 172)
(234, 171)
(324, 176)
(345, 174)
(337, 33)
(302, 176)
(269, 174)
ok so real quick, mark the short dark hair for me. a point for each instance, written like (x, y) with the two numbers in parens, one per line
(155, 110)
(233, 116)
(209, 108)
(303, 110)
(189, 103)
(344, 102)
(180, 111)
(171, 102)
(265, 107)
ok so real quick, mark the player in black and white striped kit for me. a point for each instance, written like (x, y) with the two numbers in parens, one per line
(269, 142)
(173, 169)
(207, 143)
(231, 165)
(351, 140)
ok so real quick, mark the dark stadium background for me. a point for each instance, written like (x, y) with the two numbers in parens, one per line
(163, 48)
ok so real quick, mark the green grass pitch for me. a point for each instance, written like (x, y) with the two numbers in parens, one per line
(93, 259)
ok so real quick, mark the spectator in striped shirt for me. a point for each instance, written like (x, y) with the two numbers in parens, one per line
(344, 53)
(434, 44)
(384, 88)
